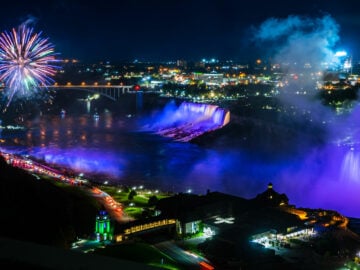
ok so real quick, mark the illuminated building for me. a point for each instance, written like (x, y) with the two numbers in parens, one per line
(103, 228)
(342, 61)
(212, 78)
(195, 213)
(181, 63)
(272, 198)
(145, 226)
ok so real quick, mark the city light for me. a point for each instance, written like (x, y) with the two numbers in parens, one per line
(341, 53)
(208, 232)
(229, 220)
(168, 126)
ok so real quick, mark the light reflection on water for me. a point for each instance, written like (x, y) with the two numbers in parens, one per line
(327, 177)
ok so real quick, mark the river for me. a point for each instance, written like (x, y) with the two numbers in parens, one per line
(117, 149)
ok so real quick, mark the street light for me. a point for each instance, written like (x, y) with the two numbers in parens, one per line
(229, 220)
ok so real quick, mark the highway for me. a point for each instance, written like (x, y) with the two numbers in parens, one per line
(114, 209)
(183, 257)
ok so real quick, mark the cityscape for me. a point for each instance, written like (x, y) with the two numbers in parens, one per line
(192, 135)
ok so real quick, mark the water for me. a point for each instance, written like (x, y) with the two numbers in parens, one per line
(115, 147)
(189, 120)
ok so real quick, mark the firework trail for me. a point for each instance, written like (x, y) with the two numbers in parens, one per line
(27, 61)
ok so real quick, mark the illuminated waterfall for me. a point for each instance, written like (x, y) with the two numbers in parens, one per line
(350, 167)
(190, 120)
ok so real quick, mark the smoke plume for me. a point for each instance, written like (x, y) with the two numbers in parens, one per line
(300, 40)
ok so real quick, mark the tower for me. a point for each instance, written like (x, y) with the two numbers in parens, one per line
(103, 228)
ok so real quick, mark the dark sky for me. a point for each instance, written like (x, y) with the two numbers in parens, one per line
(168, 30)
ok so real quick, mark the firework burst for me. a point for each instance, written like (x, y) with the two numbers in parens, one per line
(27, 61)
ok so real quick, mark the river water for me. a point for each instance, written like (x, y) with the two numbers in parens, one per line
(116, 148)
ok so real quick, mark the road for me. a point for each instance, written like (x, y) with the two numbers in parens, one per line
(183, 257)
(114, 209)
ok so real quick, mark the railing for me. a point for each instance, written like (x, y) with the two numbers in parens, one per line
(111, 91)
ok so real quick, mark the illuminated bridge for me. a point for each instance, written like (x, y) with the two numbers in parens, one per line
(112, 92)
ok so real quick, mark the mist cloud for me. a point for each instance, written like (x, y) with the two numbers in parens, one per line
(298, 40)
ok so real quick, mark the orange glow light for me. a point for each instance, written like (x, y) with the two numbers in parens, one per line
(205, 266)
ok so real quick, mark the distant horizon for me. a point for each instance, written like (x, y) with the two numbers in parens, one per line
(169, 61)
(141, 59)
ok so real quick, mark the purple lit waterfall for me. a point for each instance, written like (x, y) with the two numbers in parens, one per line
(350, 166)
(190, 120)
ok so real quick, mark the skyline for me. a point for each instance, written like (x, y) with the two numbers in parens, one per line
(159, 31)
(162, 122)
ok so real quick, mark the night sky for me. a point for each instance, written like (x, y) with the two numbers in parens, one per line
(162, 30)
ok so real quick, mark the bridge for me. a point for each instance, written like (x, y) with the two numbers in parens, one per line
(112, 92)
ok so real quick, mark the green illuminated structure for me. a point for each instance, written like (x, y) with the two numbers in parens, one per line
(103, 227)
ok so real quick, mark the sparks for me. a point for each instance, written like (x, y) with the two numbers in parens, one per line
(27, 61)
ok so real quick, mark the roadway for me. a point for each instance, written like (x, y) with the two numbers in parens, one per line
(114, 209)
(185, 258)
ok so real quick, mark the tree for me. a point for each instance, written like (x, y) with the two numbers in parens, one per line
(132, 194)
(153, 200)
(3, 164)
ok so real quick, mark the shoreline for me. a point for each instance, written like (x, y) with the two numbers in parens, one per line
(115, 208)
(91, 181)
